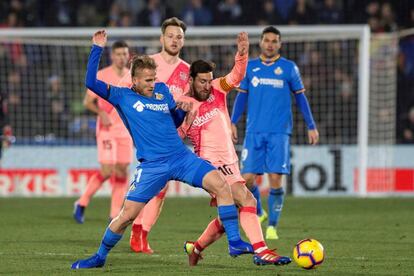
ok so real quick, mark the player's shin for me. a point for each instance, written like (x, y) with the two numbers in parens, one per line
(256, 193)
(275, 202)
(109, 240)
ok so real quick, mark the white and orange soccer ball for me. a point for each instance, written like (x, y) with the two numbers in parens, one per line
(308, 253)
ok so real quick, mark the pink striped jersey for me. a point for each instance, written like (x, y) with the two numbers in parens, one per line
(210, 131)
(175, 76)
(117, 129)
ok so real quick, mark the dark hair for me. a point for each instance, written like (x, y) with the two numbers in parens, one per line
(173, 21)
(119, 44)
(201, 66)
(271, 29)
(142, 62)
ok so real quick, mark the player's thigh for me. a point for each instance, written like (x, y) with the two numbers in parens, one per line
(253, 154)
(278, 154)
(149, 179)
(124, 150)
(106, 148)
(190, 169)
(231, 173)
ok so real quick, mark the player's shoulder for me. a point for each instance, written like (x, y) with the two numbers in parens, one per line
(253, 62)
(185, 63)
(287, 62)
(161, 87)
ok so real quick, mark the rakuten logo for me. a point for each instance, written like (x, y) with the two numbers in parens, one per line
(201, 120)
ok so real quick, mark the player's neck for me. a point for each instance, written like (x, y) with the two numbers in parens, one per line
(118, 71)
(269, 60)
(169, 59)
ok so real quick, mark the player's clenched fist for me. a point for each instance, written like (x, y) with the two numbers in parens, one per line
(99, 38)
(243, 43)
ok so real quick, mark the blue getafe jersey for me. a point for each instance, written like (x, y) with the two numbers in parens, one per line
(148, 120)
(270, 89)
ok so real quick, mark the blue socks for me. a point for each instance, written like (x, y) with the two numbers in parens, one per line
(275, 203)
(256, 193)
(109, 240)
(229, 217)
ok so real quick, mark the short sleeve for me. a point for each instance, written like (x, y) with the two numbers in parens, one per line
(296, 84)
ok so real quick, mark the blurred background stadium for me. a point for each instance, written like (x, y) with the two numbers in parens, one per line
(356, 58)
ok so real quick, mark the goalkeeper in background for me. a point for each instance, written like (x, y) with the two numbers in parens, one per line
(267, 88)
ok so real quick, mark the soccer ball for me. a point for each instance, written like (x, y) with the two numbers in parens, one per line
(308, 253)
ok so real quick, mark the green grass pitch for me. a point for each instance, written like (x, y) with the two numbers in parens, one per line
(360, 236)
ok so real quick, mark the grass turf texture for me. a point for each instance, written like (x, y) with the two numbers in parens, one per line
(360, 236)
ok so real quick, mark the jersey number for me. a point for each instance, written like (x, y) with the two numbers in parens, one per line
(225, 170)
(107, 144)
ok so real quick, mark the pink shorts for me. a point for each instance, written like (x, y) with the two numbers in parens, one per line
(113, 150)
(231, 173)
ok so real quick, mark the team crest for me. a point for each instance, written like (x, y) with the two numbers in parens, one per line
(183, 76)
(159, 96)
(278, 71)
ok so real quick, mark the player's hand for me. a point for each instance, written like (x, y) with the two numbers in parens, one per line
(99, 38)
(105, 120)
(243, 43)
(234, 135)
(313, 136)
(184, 105)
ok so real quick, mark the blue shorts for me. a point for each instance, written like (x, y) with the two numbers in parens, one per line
(266, 153)
(151, 176)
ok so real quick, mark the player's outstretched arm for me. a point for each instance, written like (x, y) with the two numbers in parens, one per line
(91, 82)
(238, 71)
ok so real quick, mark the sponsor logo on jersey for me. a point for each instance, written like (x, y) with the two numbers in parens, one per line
(176, 90)
(159, 96)
(276, 83)
(201, 120)
(278, 71)
(183, 76)
(139, 106)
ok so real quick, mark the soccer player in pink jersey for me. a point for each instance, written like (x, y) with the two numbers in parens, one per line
(210, 133)
(115, 147)
(174, 72)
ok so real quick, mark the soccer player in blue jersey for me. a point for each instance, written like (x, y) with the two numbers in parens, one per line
(151, 116)
(267, 89)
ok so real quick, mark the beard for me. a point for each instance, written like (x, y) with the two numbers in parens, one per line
(170, 52)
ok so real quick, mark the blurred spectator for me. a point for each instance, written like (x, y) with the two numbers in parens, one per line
(284, 9)
(154, 13)
(268, 15)
(302, 14)
(56, 120)
(388, 18)
(228, 12)
(408, 129)
(330, 13)
(195, 14)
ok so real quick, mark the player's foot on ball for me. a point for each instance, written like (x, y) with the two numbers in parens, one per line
(193, 257)
(135, 239)
(263, 217)
(270, 257)
(92, 262)
(271, 233)
(78, 213)
(240, 248)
